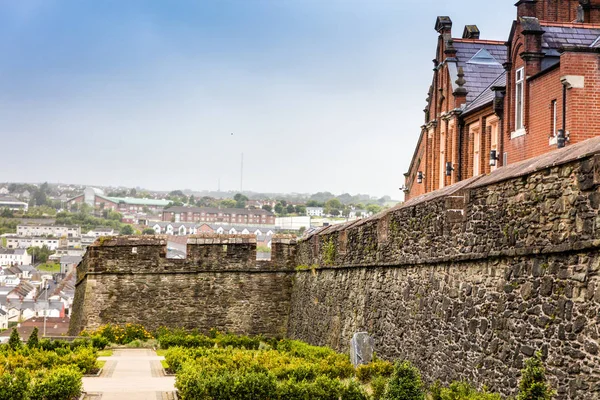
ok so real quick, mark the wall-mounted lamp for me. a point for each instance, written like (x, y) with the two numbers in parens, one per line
(420, 177)
(562, 138)
(493, 158)
(449, 168)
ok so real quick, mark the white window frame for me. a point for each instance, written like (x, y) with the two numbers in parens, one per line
(519, 103)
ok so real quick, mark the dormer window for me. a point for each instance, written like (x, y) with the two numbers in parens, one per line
(519, 97)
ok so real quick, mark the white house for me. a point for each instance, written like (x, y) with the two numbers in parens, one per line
(101, 232)
(14, 257)
(3, 319)
(21, 242)
(315, 211)
(48, 230)
(354, 214)
(12, 204)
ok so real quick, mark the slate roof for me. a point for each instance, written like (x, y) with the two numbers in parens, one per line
(487, 96)
(479, 75)
(224, 211)
(556, 37)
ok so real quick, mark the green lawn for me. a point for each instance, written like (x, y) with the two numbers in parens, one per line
(105, 353)
(49, 267)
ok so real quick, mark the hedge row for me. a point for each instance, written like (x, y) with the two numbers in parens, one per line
(222, 366)
(43, 369)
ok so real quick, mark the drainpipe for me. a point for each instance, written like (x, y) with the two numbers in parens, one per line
(564, 116)
(461, 127)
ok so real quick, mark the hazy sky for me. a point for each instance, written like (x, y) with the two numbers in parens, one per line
(319, 94)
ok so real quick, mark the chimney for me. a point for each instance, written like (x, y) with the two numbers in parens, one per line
(532, 54)
(443, 25)
(526, 8)
(471, 32)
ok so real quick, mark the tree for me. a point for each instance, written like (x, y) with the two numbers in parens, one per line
(148, 231)
(374, 208)
(228, 203)
(533, 385)
(126, 230)
(279, 208)
(301, 210)
(6, 213)
(40, 254)
(267, 207)
(333, 204)
(15, 340)
(290, 209)
(133, 192)
(33, 340)
(335, 212)
(176, 193)
(313, 203)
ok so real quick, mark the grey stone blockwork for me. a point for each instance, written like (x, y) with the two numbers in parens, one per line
(466, 282)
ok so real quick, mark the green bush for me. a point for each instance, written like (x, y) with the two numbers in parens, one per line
(57, 384)
(120, 334)
(533, 385)
(405, 383)
(378, 385)
(33, 340)
(464, 391)
(365, 373)
(15, 386)
(99, 342)
(14, 342)
(354, 392)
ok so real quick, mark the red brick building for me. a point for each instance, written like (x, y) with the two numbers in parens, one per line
(492, 103)
(238, 216)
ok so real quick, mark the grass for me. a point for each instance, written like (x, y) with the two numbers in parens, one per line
(105, 353)
(49, 267)
(161, 352)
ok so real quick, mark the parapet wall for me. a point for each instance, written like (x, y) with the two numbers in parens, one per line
(219, 285)
(468, 281)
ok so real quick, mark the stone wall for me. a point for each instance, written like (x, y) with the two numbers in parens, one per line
(219, 285)
(468, 281)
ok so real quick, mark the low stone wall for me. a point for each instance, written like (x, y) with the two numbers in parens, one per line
(219, 285)
(468, 281)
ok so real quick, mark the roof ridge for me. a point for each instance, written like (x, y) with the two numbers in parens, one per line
(570, 25)
(480, 41)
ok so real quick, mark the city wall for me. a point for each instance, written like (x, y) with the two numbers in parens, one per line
(219, 285)
(469, 281)
(466, 282)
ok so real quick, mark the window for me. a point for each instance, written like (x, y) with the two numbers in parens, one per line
(519, 95)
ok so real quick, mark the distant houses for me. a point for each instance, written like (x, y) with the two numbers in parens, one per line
(13, 204)
(98, 200)
(241, 216)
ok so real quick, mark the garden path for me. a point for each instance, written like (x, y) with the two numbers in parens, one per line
(131, 374)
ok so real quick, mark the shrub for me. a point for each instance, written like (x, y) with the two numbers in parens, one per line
(57, 384)
(533, 385)
(15, 386)
(33, 340)
(14, 342)
(365, 373)
(99, 342)
(120, 334)
(464, 391)
(354, 392)
(405, 383)
(378, 385)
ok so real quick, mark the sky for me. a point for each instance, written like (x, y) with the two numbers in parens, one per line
(318, 95)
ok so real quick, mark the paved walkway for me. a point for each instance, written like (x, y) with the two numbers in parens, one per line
(131, 374)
